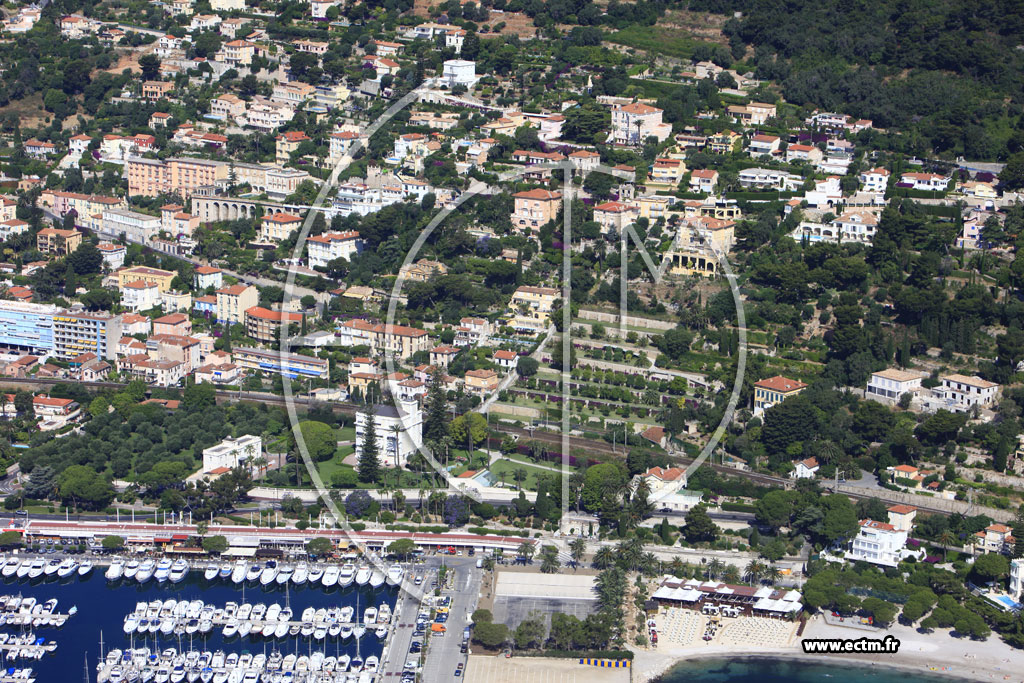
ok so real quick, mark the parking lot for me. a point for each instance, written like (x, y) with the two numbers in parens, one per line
(518, 595)
(481, 669)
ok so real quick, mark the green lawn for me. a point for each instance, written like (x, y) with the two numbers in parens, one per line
(508, 467)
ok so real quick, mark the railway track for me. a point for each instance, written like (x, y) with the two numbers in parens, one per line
(575, 442)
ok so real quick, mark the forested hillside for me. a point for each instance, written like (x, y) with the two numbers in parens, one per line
(951, 71)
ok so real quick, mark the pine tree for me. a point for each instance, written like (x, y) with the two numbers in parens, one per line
(369, 457)
(435, 423)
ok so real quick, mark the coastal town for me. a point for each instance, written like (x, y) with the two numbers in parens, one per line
(600, 337)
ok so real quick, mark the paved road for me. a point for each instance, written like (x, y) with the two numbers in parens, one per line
(443, 653)
(404, 619)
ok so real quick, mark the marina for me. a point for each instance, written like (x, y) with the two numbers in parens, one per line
(296, 630)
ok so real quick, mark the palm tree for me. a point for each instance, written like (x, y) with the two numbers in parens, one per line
(630, 552)
(714, 568)
(649, 564)
(946, 539)
(731, 574)
(525, 551)
(604, 557)
(396, 433)
(549, 563)
(753, 571)
(577, 548)
(772, 574)
(519, 476)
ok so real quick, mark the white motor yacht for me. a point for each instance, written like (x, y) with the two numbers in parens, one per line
(284, 574)
(269, 573)
(330, 577)
(347, 575)
(11, 568)
(316, 572)
(66, 568)
(36, 569)
(179, 570)
(163, 569)
(347, 614)
(395, 573)
(145, 572)
(244, 628)
(131, 568)
(363, 575)
(85, 568)
(370, 615)
(211, 571)
(384, 613)
(51, 567)
(23, 568)
(301, 574)
(238, 572)
(253, 573)
(231, 628)
(376, 578)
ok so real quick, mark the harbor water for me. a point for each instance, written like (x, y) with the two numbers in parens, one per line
(103, 605)
(782, 670)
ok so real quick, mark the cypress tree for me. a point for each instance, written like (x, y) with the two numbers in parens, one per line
(369, 457)
(435, 423)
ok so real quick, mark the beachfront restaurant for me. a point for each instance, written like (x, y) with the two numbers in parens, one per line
(760, 601)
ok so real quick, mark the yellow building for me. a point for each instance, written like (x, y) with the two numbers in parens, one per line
(234, 301)
(161, 278)
(277, 227)
(531, 308)
(57, 242)
(774, 390)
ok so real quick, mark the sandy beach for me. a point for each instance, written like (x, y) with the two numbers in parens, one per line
(935, 653)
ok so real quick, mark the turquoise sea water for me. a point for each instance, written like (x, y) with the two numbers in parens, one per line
(778, 670)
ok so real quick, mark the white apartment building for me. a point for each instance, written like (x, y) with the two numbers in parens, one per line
(1017, 578)
(267, 116)
(925, 181)
(140, 295)
(323, 249)
(472, 332)
(340, 143)
(459, 72)
(136, 227)
(875, 180)
(231, 453)
(398, 434)
(635, 122)
(856, 226)
(768, 178)
(967, 392)
(886, 386)
(878, 543)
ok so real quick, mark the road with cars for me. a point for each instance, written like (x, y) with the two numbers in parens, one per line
(446, 658)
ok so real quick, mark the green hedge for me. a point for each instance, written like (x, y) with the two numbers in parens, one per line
(483, 531)
(738, 507)
(414, 528)
(915, 194)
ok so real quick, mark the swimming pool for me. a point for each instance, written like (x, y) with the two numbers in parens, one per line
(1005, 601)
